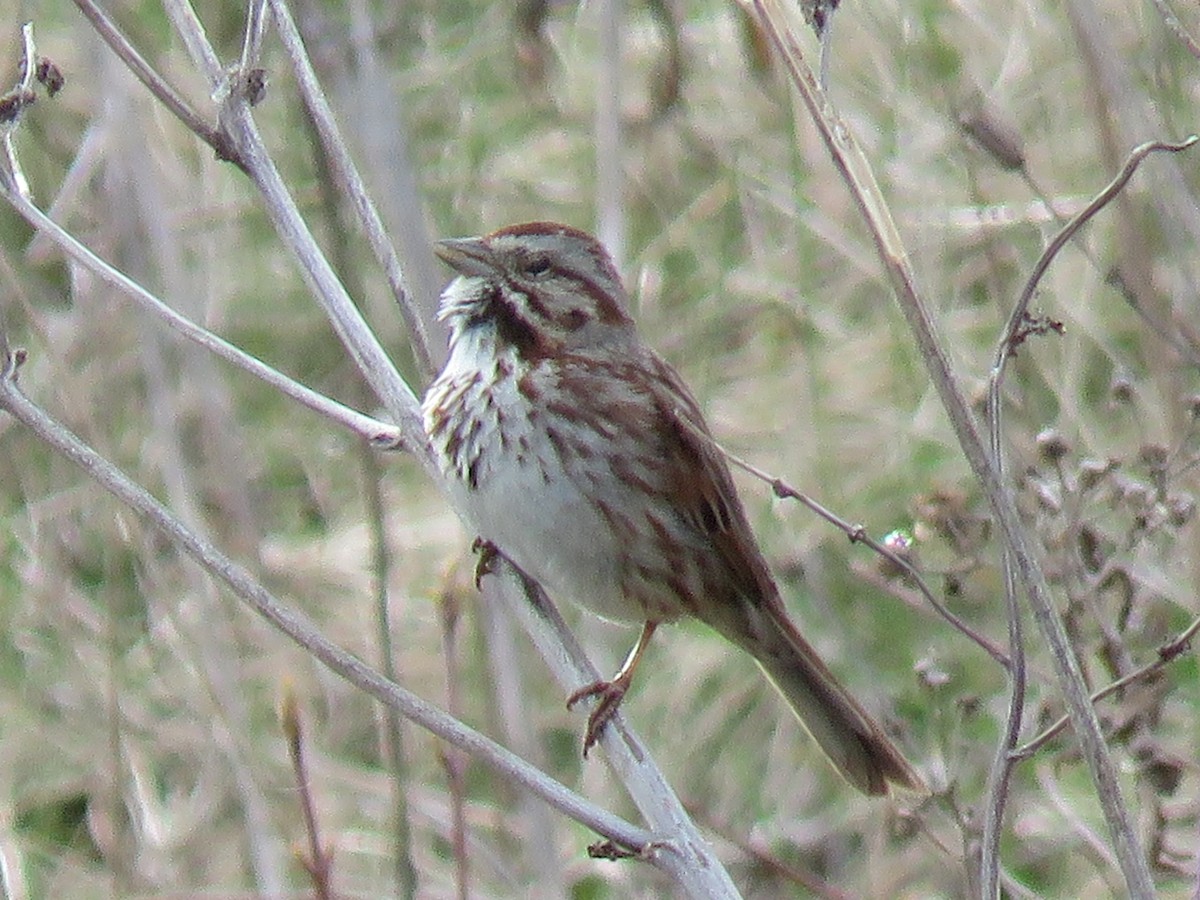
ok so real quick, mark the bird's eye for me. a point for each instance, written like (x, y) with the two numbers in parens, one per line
(535, 266)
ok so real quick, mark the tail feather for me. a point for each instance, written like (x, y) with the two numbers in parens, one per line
(855, 745)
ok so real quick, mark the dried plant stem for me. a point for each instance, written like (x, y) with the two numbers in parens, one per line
(610, 211)
(156, 84)
(1171, 20)
(1015, 332)
(319, 859)
(859, 535)
(452, 761)
(351, 185)
(677, 847)
(699, 874)
(374, 431)
(854, 168)
(299, 628)
(1167, 654)
(393, 738)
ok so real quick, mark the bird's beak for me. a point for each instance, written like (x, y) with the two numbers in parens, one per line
(467, 256)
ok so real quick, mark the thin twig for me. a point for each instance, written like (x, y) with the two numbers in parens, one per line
(1010, 341)
(355, 334)
(452, 761)
(157, 85)
(699, 872)
(319, 860)
(252, 37)
(14, 104)
(300, 629)
(380, 434)
(1015, 332)
(1171, 20)
(392, 739)
(854, 168)
(353, 188)
(1000, 772)
(859, 535)
(395, 760)
(1167, 654)
(610, 206)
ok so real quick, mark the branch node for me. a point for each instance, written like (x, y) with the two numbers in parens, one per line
(612, 851)
(12, 362)
(1168, 652)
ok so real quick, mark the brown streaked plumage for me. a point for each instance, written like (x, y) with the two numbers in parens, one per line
(582, 456)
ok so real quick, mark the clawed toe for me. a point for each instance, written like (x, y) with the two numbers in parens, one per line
(609, 695)
(486, 564)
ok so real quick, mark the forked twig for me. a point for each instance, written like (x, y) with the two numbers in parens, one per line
(379, 434)
(1019, 327)
(159, 86)
(858, 535)
(853, 166)
(1010, 342)
(298, 627)
(1167, 654)
(351, 183)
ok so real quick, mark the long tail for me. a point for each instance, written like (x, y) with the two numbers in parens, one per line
(849, 737)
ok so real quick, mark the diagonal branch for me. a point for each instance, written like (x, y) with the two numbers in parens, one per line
(1015, 332)
(156, 84)
(854, 168)
(298, 627)
(378, 433)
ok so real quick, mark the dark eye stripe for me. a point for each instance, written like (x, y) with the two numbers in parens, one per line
(608, 310)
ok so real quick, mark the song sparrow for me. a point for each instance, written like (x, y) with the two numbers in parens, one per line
(584, 459)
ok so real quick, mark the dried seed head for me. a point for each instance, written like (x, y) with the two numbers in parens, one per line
(1154, 456)
(1120, 389)
(1094, 471)
(931, 674)
(1052, 446)
(1181, 508)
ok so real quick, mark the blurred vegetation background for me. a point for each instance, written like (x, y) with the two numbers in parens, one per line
(140, 751)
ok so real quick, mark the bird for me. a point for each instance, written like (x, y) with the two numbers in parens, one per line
(579, 455)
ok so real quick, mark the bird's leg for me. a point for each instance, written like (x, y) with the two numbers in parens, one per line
(486, 564)
(609, 694)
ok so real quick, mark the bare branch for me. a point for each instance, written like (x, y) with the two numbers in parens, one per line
(1020, 326)
(380, 434)
(299, 627)
(859, 535)
(1167, 654)
(1171, 20)
(854, 168)
(157, 85)
(352, 186)
(1017, 318)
